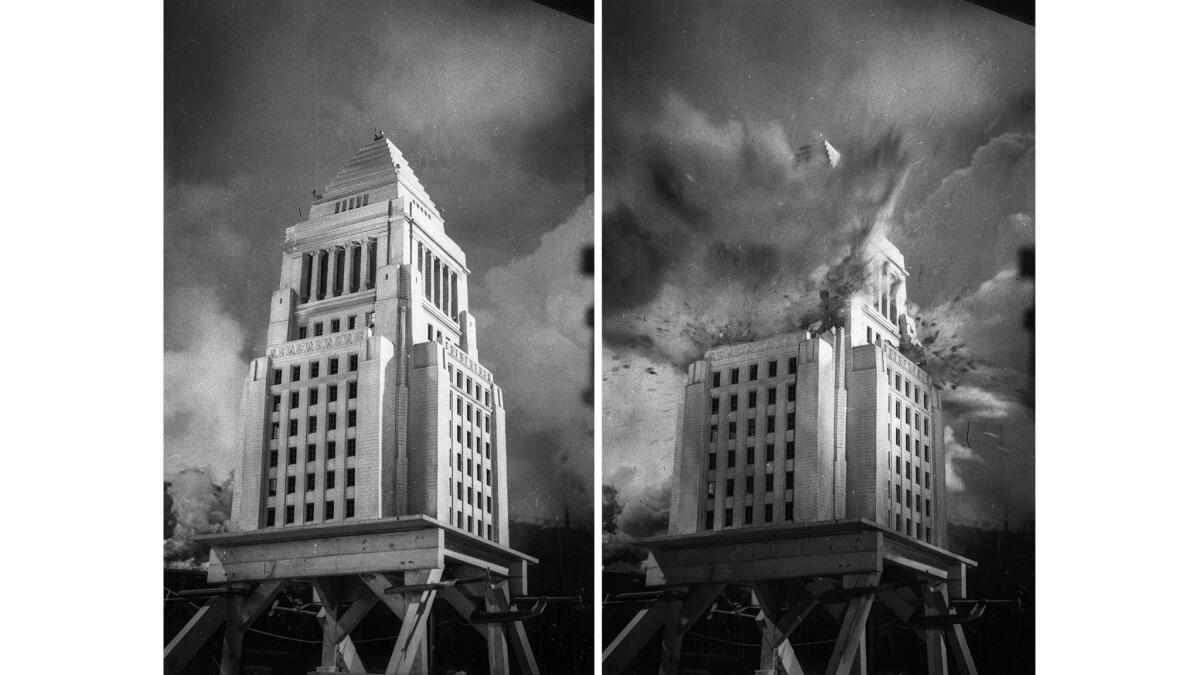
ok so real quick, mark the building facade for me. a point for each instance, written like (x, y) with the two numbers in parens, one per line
(369, 401)
(810, 428)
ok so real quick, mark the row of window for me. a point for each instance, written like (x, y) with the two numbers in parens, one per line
(310, 482)
(309, 512)
(925, 533)
(913, 391)
(789, 483)
(472, 388)
(910, 446)
(789, 514)
(331, 422)
(751, 399)
(481, 420)
(752, 372)
(335, 326)
(333, 365)
(474, 469)
(473, 525)
(350, 203)
(908, 501)
(311, 452)
(751, 427)
(331, 396)
(908, 472)
(913, 418)
(731, 455)
(474, 496)
(441, 284)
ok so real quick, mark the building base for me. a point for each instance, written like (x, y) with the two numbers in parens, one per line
(792, 570)
(406, 563)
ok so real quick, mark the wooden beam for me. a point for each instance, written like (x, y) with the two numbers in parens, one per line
(497, 647)
(621, 651)
(231, 646)
(412, 629)
(326, 591)
(463, 605)
(379, 585)
(408, 550)
(180, 650)
(518, 640)
(776, 650)
(854, 624)
(955, 638)
(935, 642)
(672, 640)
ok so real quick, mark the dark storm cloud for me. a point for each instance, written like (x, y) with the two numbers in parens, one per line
(632, 261)
(707, 106)
(490, 102)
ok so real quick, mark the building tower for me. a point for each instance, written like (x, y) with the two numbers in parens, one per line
(810, 428)
(369, 401)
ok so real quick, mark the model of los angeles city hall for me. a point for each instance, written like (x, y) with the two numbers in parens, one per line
(808, 428)
(370, 401)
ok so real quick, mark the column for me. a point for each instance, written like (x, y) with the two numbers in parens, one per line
(305, 276)
(428, 275)
(372, 251)
(324, 284)
(362, 264)
(454, 295)
(437, 283)
(445, 288)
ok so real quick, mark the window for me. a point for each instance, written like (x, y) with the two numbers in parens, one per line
(460, 491)
(897, 409)
(790, 450)
(458, 463)
(769, 513)
(310, 482)
(331, 421)
(928, 510)
(275, 400)
(749, 519)
(353, 366)
(352, 418)
(750, 453)
(310, 454)
(349, 508)
(926, 480)
(791, 392)
(728, 519)
(907, 388)
(751, 426)
(897, 465)
(716, 379)
(331, 393)
(908, 470)
(715, 406)
(870, 335)
(313, 395)
(792, 365)
(708, 520)
(458, 433)
(489, 480)
(291, 455)
(753, 402)
(274, 429)
(897, 522)
(289, 514)
(732, 430)
(925, 400)
(278, 376)
(352, 390)
(728, 487)
(314, 369)
(770, 452)
(458, 378)
(897, 436)
(328, 510)
(898, 494)
(333, 366)
(731, 458)
(487, 450)
(733, 375)
(753, 372)
(918, 530)
(771, 396)
(302, 332)
(791, 420)
(318, 329)
(291, 484)
(789, 480)
(272, 486)
(712, 488)
(907, 443)
(273, 459)
(335, 325)
(294, 399)
(908, 498)
(330, 449)
(772, 368)
(350, 324)
(470, 466)
(296, 373)
(908, 526)
(926, 425)
(458, 406)
(769, 482)
(350, 477)
(712, 461)
(271, 516)
(733, 402)
(789, 511)
(926, 453)
(312, 424)
(309, 512)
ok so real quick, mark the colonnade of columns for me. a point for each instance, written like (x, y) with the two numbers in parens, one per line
(889, 290)
(338, 270)
(441, 284)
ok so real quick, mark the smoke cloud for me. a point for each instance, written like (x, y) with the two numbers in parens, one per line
(199, 504)
(540, 344)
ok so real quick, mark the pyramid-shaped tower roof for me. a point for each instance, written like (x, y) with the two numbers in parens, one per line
(377, 163)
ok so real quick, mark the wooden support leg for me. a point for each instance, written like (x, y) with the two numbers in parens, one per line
(620, 652)
(327, 594)
(518, 640)
(679, 620)
(231, 648)
(776, 650)
(412, 631)
(493, 601)
(935, 644)
(463, 605)
(180, 650)
(854, 624)
(953, 634)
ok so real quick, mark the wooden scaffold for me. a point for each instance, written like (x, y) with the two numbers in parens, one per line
(844, 567)
(405, 563)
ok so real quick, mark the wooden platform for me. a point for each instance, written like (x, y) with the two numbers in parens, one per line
(793, 569)
(404, 563)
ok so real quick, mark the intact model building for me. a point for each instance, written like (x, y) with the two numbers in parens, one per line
(370, 401)
(809, 428)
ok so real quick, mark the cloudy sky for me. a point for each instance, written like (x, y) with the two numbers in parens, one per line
(492, 105)
(713, 234)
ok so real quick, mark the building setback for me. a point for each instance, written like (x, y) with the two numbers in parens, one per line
(370, 401)
(809, 428)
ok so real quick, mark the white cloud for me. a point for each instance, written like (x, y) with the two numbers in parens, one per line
(957, 452)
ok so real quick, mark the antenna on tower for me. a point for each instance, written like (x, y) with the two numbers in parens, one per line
(378, 134)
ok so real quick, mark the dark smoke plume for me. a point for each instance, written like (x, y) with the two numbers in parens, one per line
(198, 505)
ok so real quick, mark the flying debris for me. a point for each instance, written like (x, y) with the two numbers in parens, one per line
(818, 152)
(652, 371)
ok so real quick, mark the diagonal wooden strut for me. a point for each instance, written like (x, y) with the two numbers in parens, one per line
(953, 634)
(776, 628)
(180, 650)
(849, 644)
(679, 618)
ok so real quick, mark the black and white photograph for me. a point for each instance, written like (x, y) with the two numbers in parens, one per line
(818, 240)
(378, 349)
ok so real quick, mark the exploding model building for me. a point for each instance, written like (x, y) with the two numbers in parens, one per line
(809, 428)
(370, 401)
